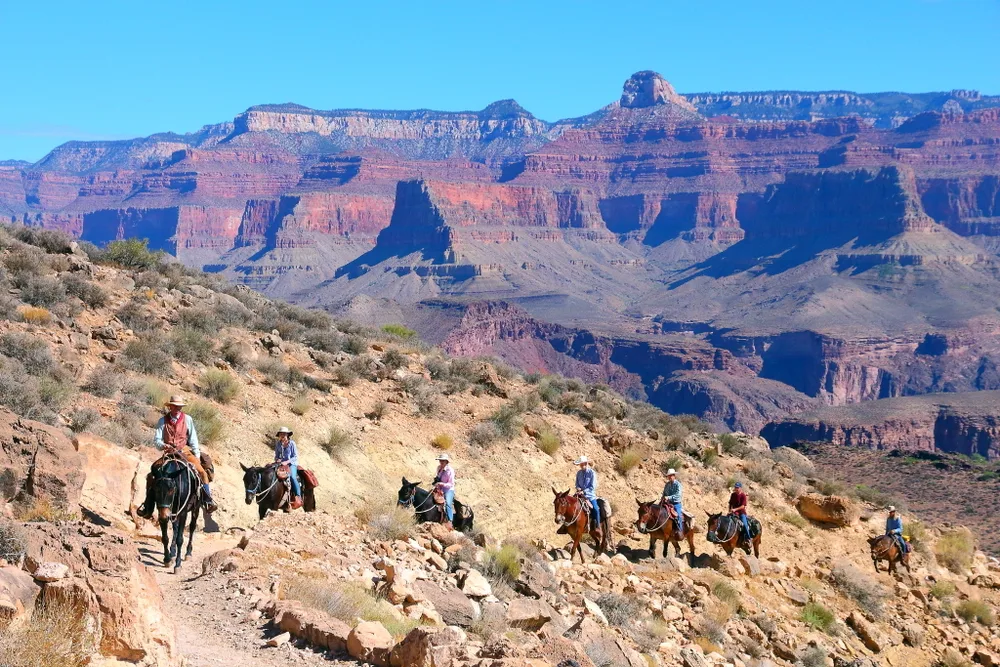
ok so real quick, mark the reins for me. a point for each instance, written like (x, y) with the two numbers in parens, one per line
(576, 517)
(731, 523)
(191, 476)
(665, 521)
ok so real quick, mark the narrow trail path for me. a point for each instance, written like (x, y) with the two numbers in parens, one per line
(217, 625)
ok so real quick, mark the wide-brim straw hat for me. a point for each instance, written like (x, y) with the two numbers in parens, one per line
(671, 472)
(892, 508)
(176, 400)
(581, 460)
(284, 430)
(443, 457)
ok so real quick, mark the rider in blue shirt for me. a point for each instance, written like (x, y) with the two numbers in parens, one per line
(673, 496)
(586, 483)
(894, 528)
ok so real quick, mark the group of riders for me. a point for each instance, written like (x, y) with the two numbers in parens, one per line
(177, 437)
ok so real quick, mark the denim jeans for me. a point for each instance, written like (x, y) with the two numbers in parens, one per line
(680, 517)
(449, 504)
(596, 511)
(746, 524)
(293, 475)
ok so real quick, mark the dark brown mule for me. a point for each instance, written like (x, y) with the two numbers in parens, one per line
(885, 548)
(571, 515)
(724, 530)
(656, 521)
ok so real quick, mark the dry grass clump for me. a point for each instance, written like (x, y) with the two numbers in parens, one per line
(387, 521)
(817, 616)
(219, 386)
(942, 590)
(952, 658)
(34, 315)
(443, 441)
(503, 564)
(620, 610)
(56, 636)
(483, 435)
(795, 519)
(207, 420)
(337, 441)
(549, 441)
(378, 411)
(301, 404)
(82, 419)
(12, 541)
(954, 550)
(865, 591)
(976, 610)
(42, 511)
(104, 381)
(762, 473)
(628, 460)
(147, 355)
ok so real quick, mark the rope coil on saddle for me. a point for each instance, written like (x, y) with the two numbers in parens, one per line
(192, 477)
(416, 508)
(714, 536)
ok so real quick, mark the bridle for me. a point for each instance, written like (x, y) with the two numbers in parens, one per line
(882, 551)
(713, 535)
(560, 518)
(666, 519)
(416, 508)
(260, 480)
(189, 470)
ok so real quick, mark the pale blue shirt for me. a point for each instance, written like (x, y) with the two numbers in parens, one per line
(192, 434)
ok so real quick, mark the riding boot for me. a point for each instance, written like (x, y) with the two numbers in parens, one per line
(149, 504)
(296, 502)
(209, 505)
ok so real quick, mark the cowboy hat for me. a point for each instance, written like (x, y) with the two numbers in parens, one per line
(284, 430)
(176, 399)
(671, 472)
(442, 457)
(892, 508)
(581, 460)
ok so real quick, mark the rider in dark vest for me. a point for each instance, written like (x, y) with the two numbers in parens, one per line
(175, 434)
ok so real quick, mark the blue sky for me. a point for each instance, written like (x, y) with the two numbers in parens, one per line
(106, 69)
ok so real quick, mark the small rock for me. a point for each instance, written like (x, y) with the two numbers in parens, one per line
(475, 585)
(49, 571)
(283, 638)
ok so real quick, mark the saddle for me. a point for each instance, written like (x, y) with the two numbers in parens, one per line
(208, 465)
(437, 496)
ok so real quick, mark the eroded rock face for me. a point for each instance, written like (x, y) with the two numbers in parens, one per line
(646, 89)
(832, 510)
(38, 464)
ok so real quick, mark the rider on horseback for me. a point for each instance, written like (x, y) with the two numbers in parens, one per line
(285, 453)
(672, 496)
(738, 507)
(444, 481)
(894, 529)
(586, 485)
(175, 434)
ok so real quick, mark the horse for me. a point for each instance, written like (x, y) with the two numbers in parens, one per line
(655, 520)
(262, 484)
(177, 493)
(884, 547)
(724, 530)
(571, 516)
(421, 500)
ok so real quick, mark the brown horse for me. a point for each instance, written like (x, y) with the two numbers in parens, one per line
(571, 516)
(885, 548)
(724, 530)
(655, 520)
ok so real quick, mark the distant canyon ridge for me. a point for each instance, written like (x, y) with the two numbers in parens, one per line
(802, 263)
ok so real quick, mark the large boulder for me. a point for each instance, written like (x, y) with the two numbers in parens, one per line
(18, 593)
(831, 510)
(106, 581)
(316, 628)
(872, 638)
(370, 642)
(529, 614)
(452, 604)
(38, 464)
(426, 647)
(109, 473)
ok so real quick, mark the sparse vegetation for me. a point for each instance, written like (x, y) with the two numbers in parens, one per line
(12, 541)
(81, 419)
(817, 616)
(209, 422)
(34, 315)
(348, 602)
(503, 563)
(620, 610)
(864, 590)
(104, 381)
(483, 434)
(814, 656)
(976, 610)
(726, 593)
(628, 460)
(190, 345)
(942, 590)
(301, 404)
(443, 441)
(710, 457)
(952, 658)
(955, 549)
(147, 355)
(387, 521)
(42, 511)
(32, 352)
(219, 386)
(91, 294)
(399, 331)
(337, 441)
(57, 635)
(762, 474)
(548, 440)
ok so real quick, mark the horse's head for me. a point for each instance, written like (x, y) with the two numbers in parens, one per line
(166, 485)
(647, 515)
(872, 541)
(563, 505)
(406, 493)
(713, 525)
(252, 478)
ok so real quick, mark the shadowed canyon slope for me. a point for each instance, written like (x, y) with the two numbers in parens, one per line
(740, 256)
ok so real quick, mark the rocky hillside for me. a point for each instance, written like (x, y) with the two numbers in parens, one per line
(93, 340)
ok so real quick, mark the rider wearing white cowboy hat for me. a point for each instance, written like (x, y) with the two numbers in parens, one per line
(672, 495)
(285, 452)
(586, 483)
(444, 481)
(894, 529)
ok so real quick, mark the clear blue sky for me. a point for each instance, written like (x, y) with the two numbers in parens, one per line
(105, 69)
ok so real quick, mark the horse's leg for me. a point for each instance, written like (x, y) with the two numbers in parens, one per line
(179, 536)
(165, 538)
(756, 547)
(875, 561)
(194, 524)
(652, 547)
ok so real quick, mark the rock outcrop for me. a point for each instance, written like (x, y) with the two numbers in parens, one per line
(38, 465)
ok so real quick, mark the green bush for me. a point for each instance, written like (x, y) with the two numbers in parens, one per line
(337, 441)
(504, 563)
(90, 293)
(483, 434)
(507, 421)
(548, 441)
(628, 460)
(219, 386)
(190, 345)
(82, 419)
(41, 291)
(817, 616)
(207, 421)
(976, 610)
(130, 254)
(710, 457)
(399, 331)
(954, 550)
(942, 590)
(148, 355)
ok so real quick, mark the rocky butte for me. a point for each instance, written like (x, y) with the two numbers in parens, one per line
(738, 256)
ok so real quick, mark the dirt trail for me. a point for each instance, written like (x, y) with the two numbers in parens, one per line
(216, 625)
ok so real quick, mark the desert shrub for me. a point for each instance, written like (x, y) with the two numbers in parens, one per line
(12, 541)
(104, 381)
(394, 359)
(147, 355)
(235, 354)
(490, 624)
(628, 460)
(20, 392)
(218, 385)
(41, 510)
(483, 434)
(762, 473)
(503, 564)
(199, 319)
(864, 590)
(766, 624)
(943, 590)
(130, 254)
(135, 315)
(50, 240)
(710, 457)
(726, 593)
(337, 441)
(829, 487)
(955, 549)
(571, 403)
(191, 345)
(399, 331)
(58, 635)
(232, 314)
(548, 440)
(90, 293)
(975, 610)
(82, 419)
(345, 375)
(533, 378)
(387, 521)
(813, 656)
(31, 351)
(675, 462)
(379, 410)
(155, 393)
(324, 340)
(301, 404)
(507, 421)
(33, 315)
(952, 658)
(355, 345)
(207, 421)
(620, 610)
(41, 291)
(274, 370)
(347, 602)
(731, 444)
(443, 441)
(817, 616)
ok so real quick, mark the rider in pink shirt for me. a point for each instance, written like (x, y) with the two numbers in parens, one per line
(445, 482)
